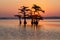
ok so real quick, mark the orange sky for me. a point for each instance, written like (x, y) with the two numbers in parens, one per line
(8, 8)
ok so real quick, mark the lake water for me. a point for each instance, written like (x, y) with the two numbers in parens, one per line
(48, 29)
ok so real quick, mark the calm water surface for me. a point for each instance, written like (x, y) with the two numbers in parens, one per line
(48, 29)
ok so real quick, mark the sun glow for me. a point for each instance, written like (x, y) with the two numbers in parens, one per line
(10, 7)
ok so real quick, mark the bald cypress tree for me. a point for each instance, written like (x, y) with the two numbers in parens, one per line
(37, 9)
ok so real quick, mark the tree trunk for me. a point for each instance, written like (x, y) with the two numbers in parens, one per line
(25, 19)
(19, 20)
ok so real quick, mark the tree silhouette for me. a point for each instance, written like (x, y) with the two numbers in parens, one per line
(34, 17)
(37, 9)
(24, 13)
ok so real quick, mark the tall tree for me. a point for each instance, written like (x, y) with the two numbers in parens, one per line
(37, 9)
(23, 9)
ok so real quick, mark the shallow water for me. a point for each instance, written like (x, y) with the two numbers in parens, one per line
(48, 29)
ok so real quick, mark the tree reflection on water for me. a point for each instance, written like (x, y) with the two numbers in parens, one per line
(29, 32)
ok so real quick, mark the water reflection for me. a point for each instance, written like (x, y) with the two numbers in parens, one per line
(34, 26)
(37, 32)
(10, 30)
(29, 32)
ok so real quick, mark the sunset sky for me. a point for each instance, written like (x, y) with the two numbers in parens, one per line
(8, 8)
